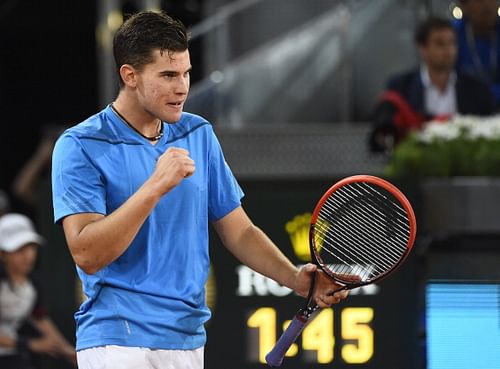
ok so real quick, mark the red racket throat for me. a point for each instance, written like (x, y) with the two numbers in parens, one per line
(362, 229)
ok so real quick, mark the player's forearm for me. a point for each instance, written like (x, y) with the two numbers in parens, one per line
(267, 259)
(98, 242)
(253, 248)
(258, 252)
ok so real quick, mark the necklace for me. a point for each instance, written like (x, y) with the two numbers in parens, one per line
(149, 138)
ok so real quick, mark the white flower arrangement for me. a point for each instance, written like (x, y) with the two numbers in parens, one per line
(462, 146)
(468, 126)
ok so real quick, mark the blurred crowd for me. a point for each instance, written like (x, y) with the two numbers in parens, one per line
(28, 335)
(457, 73)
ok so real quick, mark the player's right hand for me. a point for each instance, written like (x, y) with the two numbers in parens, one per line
(172, 167)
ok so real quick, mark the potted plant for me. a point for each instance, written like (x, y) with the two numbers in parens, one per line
(457, 164)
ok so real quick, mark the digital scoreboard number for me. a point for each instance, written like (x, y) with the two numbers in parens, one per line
(318, 336)
(375, 327)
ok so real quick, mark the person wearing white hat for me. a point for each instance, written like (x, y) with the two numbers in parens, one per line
(20, 299)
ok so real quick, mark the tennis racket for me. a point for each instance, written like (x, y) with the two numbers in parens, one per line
(361, 231)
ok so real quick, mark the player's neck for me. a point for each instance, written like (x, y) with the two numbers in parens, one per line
(135, 116)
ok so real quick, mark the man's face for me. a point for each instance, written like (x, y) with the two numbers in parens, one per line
(481, 13)
(163, 86)
(440, 51)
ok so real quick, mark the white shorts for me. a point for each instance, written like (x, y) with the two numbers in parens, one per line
(120, 357)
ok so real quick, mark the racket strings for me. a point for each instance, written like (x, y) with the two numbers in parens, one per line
(393, 207)
(352, 264)
(349, 267)
(370, 233)
(379, 203)
(385, 208)
(366, 235)
(364, 239)
(381, 224)
(362, 267)
(361, 231)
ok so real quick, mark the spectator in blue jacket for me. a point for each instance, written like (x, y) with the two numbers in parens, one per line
(478, 34)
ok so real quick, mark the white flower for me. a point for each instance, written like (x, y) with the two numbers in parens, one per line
(487, 128)
(465, 122)
(436, 131)
(471, 127)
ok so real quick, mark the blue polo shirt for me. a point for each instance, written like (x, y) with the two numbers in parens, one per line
(154, 294)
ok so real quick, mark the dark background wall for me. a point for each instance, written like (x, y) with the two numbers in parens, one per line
(48, 64)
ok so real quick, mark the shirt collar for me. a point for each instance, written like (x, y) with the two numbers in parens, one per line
(426, 79)
(126, 133)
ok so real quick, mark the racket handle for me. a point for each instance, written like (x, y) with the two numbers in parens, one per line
(275, 357)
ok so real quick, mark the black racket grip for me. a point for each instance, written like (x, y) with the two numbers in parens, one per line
(275, 357)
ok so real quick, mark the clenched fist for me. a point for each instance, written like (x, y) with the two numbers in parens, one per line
(171, 168)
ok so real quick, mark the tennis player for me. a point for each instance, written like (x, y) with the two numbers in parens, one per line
(135, 187)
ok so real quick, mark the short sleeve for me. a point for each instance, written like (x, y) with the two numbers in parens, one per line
(77, 185)
(224, 191)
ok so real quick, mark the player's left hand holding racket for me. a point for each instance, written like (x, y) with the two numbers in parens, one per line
(361, 230)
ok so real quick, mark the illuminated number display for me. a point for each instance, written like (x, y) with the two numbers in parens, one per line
(318, 336)
(355, 328)
(264, 319)
(357, 336)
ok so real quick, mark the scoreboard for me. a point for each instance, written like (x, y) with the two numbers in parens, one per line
(376, 327)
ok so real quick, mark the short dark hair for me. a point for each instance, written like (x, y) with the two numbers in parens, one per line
(144, 32)
(425, 28)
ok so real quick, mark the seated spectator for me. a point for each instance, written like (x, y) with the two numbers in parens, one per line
(478, 35)
(431, 91)
(20, 308)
